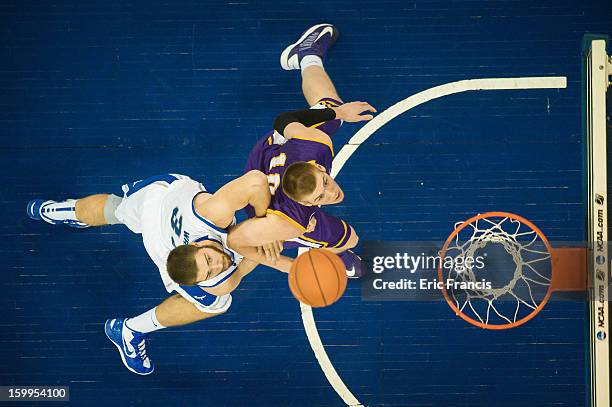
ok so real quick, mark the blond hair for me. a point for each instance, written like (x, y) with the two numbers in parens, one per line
(300, 180)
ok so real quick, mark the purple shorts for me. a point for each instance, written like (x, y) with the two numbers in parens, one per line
(332, 126)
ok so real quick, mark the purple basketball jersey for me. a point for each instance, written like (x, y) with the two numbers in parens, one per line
(272, 159)
(272, 155)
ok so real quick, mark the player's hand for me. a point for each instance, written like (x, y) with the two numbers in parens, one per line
(271, 250)
(352, 112)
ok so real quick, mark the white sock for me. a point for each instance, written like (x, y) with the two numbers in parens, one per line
(310, 60)
(145, 322)
(64, 210)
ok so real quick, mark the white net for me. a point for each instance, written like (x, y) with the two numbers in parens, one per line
(509, 275)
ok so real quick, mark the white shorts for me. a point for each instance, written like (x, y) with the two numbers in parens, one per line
(139, 210)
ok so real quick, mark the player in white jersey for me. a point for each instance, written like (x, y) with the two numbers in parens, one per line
(184, 230)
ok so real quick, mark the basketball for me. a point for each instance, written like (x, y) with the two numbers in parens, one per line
(317, 278)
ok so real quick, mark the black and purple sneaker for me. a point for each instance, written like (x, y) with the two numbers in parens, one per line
(353, 265)
(315, 41)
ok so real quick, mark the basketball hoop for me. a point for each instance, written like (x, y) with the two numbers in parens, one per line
(515, 272)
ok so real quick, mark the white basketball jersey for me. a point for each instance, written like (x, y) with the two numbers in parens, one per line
(179, 224)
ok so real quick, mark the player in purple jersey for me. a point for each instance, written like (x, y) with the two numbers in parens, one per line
(300, 148)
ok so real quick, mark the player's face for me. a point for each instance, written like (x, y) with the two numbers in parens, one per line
(327, 191)
(211, 262)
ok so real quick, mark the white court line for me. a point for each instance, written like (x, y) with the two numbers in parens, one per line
(552, 82)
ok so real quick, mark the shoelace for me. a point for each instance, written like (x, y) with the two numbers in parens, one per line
(307, 43)
(142, 352)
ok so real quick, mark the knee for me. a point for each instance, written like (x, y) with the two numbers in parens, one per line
(257, 179)
(200, 314)
(110, 206)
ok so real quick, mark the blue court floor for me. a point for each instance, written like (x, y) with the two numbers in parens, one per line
(96, 94)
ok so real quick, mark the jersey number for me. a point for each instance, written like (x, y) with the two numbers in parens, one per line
(176, 222)
(274, 179)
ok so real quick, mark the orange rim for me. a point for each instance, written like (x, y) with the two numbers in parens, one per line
(441, 274)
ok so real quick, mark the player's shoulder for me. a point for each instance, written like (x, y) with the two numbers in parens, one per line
(292, 211)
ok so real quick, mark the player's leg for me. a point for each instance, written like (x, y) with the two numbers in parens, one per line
(93, 210)
(129, 335)
(307, 54)
(99, 209)
(317, 86)
(177, 311)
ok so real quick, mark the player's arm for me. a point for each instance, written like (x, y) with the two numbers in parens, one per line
(280, 263)
(252, 233)
(257, 231)
(299, 122)
(250, 189)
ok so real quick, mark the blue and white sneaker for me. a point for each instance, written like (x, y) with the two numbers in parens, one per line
(353, 264)
(315, 41)
(132, 346)
(55, 213)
